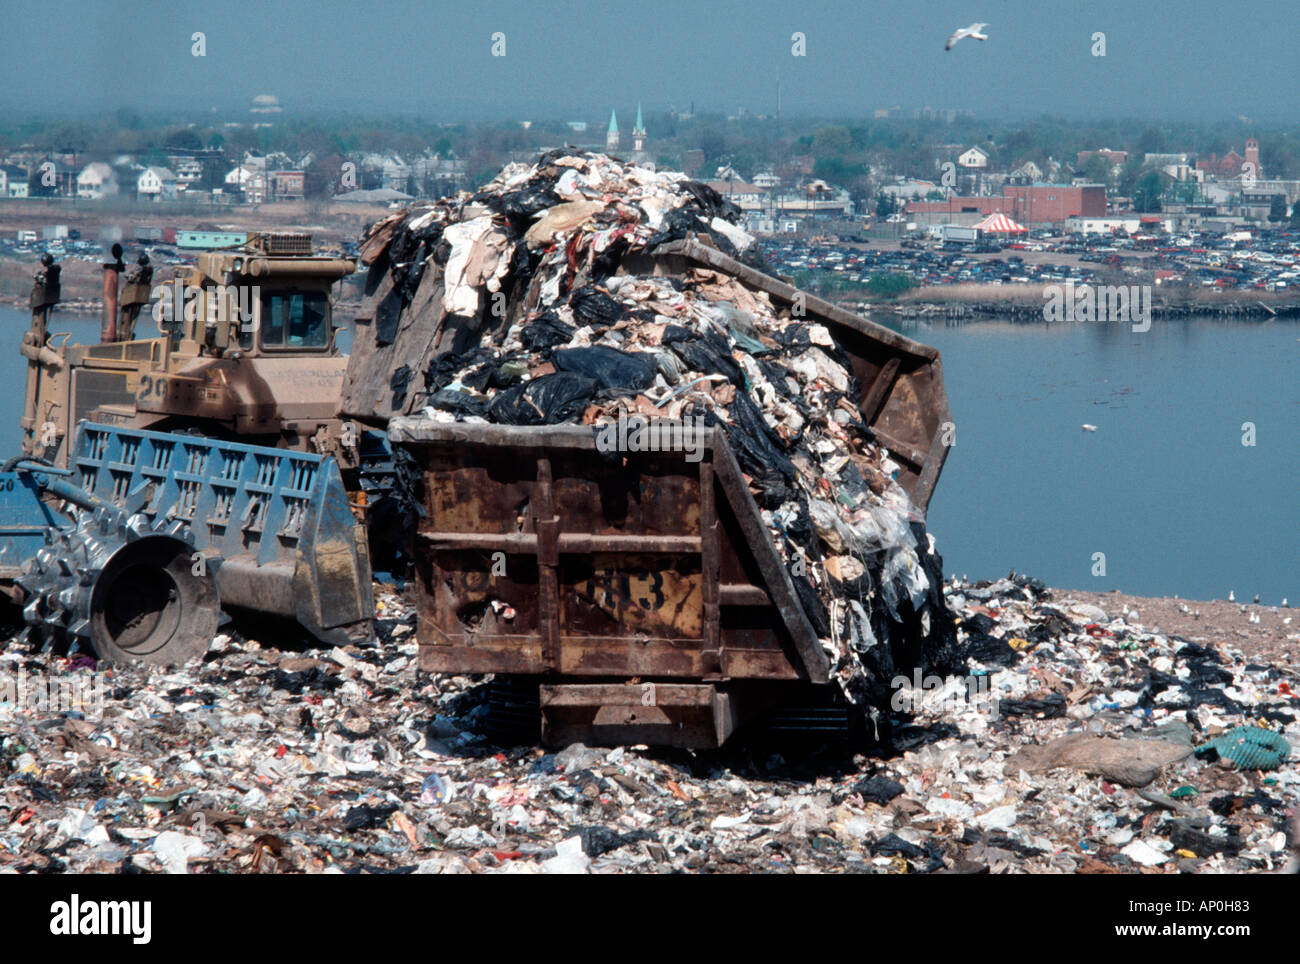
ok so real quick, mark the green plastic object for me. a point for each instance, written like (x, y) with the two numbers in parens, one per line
(1249, 747)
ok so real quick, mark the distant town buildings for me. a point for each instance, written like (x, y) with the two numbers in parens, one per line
(947, 114)
(1026, 173)
(13, 181)
(95, 181)
(776, 190)
(766, 208)
(1116, 159)
(288, 185)
(1233, 164)
(156, 183)
(908, 188)
(1030, 205)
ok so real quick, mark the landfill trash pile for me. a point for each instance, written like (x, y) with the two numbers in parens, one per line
(258, 759)
(549, 317)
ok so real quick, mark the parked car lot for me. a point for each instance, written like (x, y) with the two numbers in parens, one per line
(1269, 261)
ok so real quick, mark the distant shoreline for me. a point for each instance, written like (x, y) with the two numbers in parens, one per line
(1024, 301)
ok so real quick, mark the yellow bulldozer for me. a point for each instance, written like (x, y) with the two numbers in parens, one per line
(244, 348)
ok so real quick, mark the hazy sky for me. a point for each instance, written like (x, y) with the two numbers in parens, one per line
(1183, 60)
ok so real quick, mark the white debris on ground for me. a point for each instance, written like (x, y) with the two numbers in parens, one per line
(280, 759)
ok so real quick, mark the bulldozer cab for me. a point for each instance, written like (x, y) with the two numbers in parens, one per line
(240, 345)
(268, 298)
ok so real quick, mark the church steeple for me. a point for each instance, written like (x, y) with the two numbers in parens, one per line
(638, 132)
(611, 135)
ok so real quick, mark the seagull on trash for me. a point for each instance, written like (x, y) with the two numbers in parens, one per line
(1089, 428)
(973, 31)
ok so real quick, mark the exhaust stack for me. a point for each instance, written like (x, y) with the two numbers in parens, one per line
(108, 313)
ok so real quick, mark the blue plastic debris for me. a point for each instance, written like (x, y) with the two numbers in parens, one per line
(434, 790)
(1249, 747)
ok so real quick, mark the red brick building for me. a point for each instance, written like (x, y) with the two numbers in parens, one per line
(1027, 204)
(1233, 164)
(288, 185)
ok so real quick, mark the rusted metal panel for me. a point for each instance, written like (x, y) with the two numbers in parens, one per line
(688, 716)
(539, 555)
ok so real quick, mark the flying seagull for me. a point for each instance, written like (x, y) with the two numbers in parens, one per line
(973, 31)
(1089, 428)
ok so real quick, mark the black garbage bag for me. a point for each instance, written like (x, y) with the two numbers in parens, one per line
(501, 378)
(710, 201)
(444, 369)
(676, 225)
(478, 378)
(365, 817)
(591, 306)
(399, 383)
(609, 367)
(523, 204)
(546, 331)
(598, 840)
(878, 789)
(387, 315)
(759, 451)
(778, 376)
(989, 650)
(707, 354)
(459, 403)
(812, 604)
(408, 253)
(559, 397)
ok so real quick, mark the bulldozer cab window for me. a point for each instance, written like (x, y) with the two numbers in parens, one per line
(295, 319)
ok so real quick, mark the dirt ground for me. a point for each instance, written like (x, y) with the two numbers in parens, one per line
(1275, 638)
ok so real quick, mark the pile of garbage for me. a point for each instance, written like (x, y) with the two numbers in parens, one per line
(552, 314)
(1109, 750)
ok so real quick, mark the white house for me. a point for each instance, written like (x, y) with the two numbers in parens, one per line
(906, 187)
(249, 180)
(396, 175)
(96, 181)
(973, 158)
(13, 181)
(237, 177)
(156, 182)
(1028, 172)
(188, 174)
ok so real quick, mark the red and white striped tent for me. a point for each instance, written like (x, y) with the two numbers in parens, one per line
(999, 223)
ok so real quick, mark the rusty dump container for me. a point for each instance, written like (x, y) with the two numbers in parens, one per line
(644, 588)
(639, 595)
